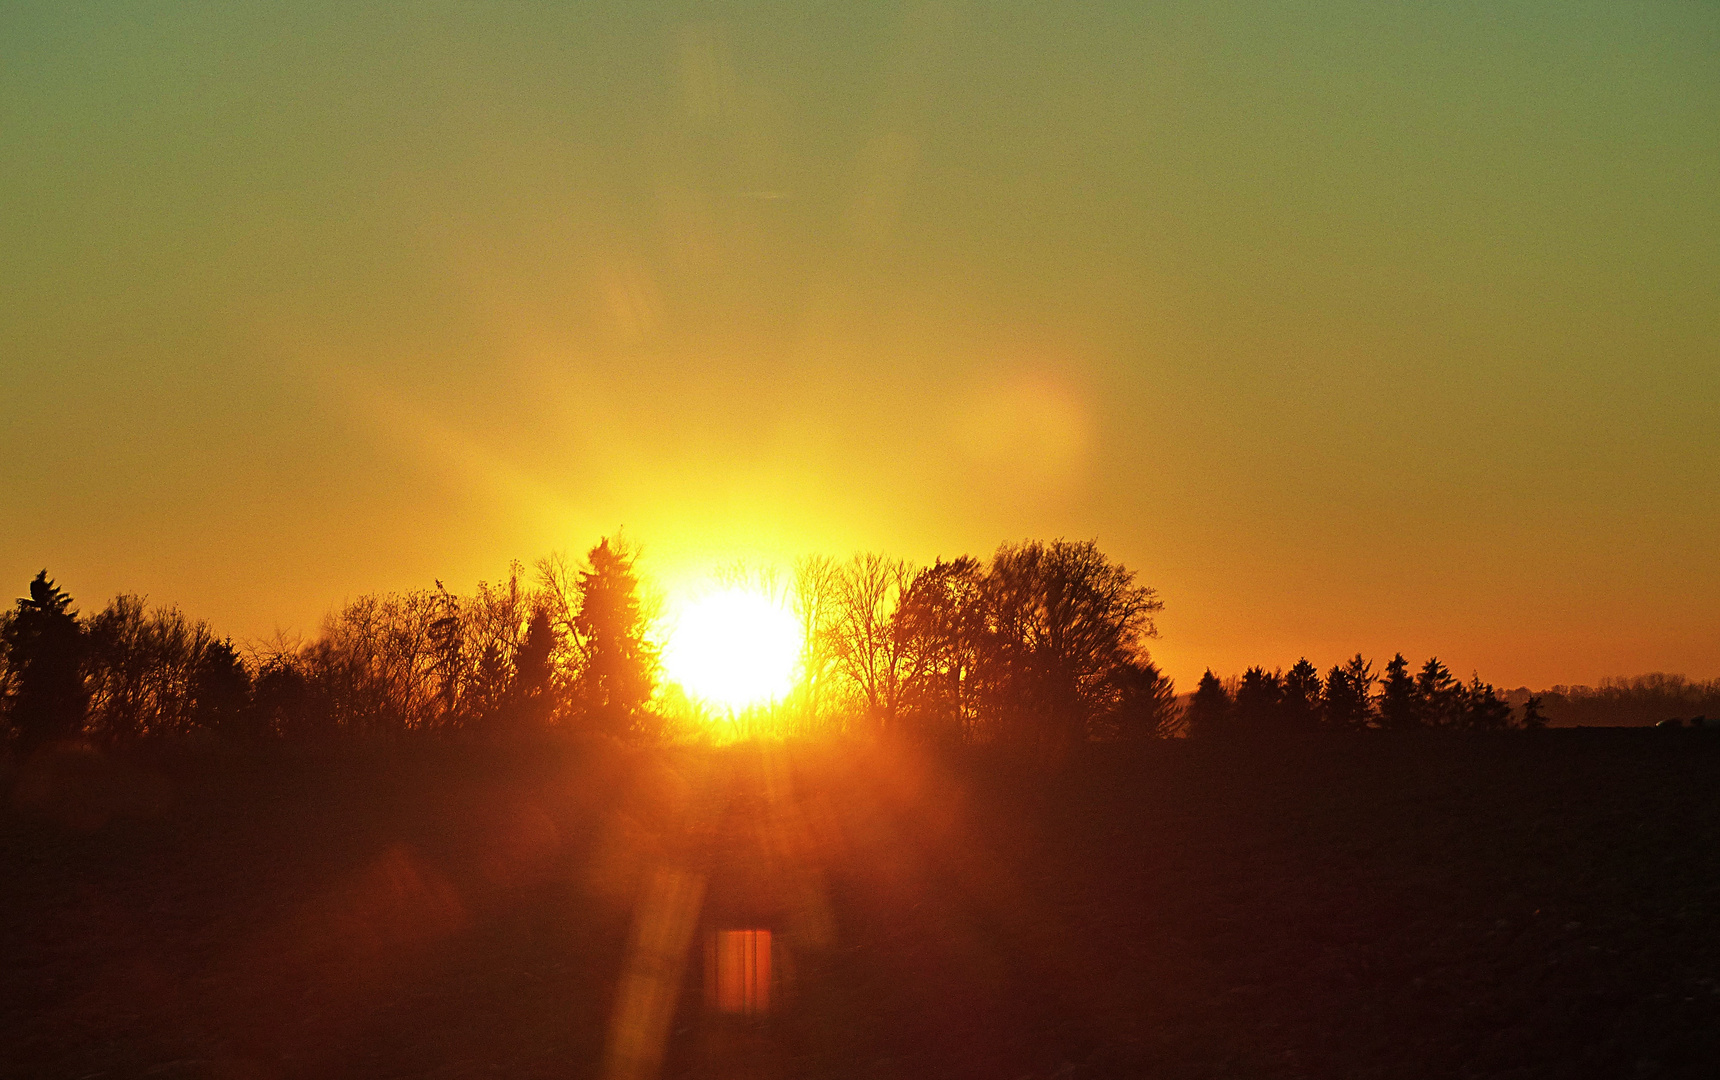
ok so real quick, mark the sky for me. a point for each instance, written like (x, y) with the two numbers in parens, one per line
(1348, 326)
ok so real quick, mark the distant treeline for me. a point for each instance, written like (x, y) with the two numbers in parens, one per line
(1350, 697)
(1634, 702)
(1045, 643)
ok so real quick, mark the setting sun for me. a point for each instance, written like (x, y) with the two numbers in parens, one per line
(733, 648)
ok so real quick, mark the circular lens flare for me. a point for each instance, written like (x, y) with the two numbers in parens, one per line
(733, 648)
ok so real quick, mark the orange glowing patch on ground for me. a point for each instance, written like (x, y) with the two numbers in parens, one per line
(737, 972)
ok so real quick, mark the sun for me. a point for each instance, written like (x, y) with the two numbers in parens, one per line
(733, 649)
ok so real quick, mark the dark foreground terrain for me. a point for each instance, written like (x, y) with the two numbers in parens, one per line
(1539, 905)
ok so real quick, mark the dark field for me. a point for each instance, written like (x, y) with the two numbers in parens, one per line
(1539, 905)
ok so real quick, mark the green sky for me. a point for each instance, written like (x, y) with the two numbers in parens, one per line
(1350, 326)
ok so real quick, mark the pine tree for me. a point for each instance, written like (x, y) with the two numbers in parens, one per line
(1349, 694)
(221, 688)
(45, 650)
(1533, 718)
(1259, 701)
(532, 671)
(1303, 699)
(1483, 709)
(1209, 708)
(619, 672)
(1438, 696)
(1396, 705)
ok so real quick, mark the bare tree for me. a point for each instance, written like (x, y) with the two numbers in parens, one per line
(147, 670)
(1064, 619)
(869, 647)
(817, 607)
(941, 623)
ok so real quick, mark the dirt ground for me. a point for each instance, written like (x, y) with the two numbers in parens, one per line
(1533, 905)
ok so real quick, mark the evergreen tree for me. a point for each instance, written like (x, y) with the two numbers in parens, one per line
(619, 671)
(1303, 699)
(1483, 709)
(1396, 705)
(1349, 694)
(1259, 701)
(532, 670)
(45, 651)
(220, 688)
(1209, 708)
(1439, 698)
(1533, 718)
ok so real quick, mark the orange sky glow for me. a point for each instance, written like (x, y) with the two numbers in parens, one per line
(1348, 330)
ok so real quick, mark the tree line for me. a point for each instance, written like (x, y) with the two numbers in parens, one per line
(1043, 644)
(1638, 701)
(1350, 697)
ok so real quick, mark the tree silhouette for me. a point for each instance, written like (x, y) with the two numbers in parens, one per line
(45, 648)
(870, 647)
(1349, 694)
(447, 643)
(619, 672)
(1483, 709)
(817, 587)
(221, 689)
(531, 702)
(285, 702)
(1397, 705)
(1303, 698)
(1209, 708)
(1533, 718)
(1145, 703)
(941, 623)
(1439, 698)
(1259, 701)
(1063, 619)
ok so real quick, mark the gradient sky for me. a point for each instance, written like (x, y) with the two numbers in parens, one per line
(1350, 326)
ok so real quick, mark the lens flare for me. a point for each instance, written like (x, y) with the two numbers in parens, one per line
(734, 648)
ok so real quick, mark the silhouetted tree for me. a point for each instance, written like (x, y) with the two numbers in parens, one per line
(447, 641)
(150, 671)
(123, 648)
(619, 672)
(493, 625)
(1303, 697)
(942, 626)
(45, 649)
(1145, 705)
(1062, 620)
(1439, 697)
(1259, 701)
(531, 704)
(286, 702)
(221, 689)
(1483, 710)
(1397, 703)
(1533, 718)
(817, 600)
(8, 673)
(1209, 708)
(1349, 694)
(870, 644)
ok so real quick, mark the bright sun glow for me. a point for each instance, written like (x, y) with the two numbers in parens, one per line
(733, 648)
